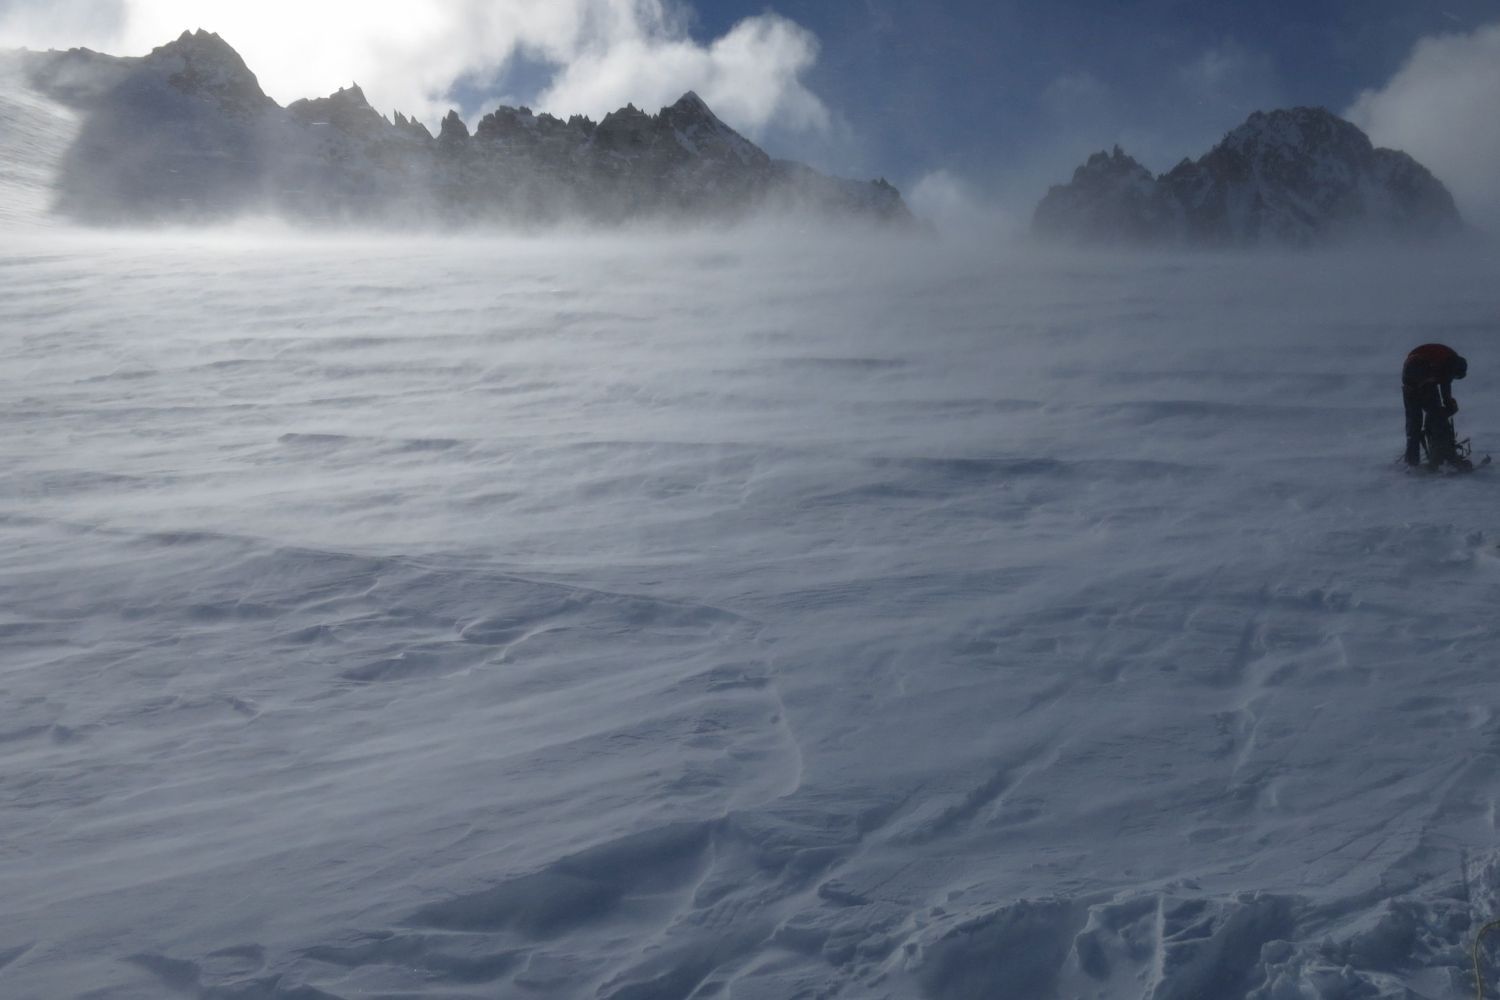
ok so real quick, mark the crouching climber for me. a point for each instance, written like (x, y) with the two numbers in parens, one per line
(1427, 392)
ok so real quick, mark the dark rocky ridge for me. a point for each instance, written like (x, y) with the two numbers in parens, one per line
(186, 133)
(1294, 177)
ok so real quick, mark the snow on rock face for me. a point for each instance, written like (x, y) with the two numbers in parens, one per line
(194, 136)
(702, 134)
(1298, 176)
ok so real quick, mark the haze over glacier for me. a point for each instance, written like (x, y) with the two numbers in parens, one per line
(774, 612)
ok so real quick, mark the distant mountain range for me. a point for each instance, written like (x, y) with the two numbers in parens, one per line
(1301, 177)
(186, 134)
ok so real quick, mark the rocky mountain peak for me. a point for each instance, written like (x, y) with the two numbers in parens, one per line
(1292, 131)
(1110, 166)
(346, 109)
(1112, 198)
(351, 96)
(700, 132)
(453, 129)
(202, 64)
(627, 117)
(690, 105)
(205, 46)
(412, 128)
(1297, 176)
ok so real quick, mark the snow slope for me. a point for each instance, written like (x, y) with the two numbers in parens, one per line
(713, 616)
(35, 133)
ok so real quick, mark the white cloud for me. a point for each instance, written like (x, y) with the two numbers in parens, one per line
(1075, 94)
(1178, 109)
(1441, 108)
(1226, 70)
(954, 206)
(408, 55)
(60, 24)
(731, 74)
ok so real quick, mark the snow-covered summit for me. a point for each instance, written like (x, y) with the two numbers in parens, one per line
(1295, 176)
(1294, 132)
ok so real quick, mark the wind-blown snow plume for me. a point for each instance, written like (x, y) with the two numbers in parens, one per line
(956, 206)
(1440, 108)
(35, 133)
(42, 24)
(410, 56)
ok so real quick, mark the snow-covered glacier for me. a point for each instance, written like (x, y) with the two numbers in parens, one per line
(753, 615)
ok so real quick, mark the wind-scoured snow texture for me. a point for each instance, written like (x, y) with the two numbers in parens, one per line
(680, 618)
(187, 134)
(37, 132)
(1289, 178)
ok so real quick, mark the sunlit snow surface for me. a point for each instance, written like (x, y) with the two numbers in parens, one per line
(739, 616)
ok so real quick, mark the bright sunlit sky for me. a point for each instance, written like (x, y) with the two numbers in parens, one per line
(956, 99)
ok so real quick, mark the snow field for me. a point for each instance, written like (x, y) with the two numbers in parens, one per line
(653, 616)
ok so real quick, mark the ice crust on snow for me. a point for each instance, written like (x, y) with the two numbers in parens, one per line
(659, 617)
